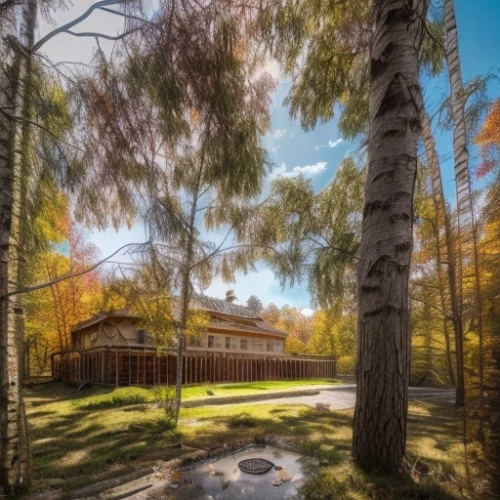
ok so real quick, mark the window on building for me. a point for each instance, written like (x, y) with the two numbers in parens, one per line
(228, 342)
(269, 347)
(243, 344)
(211, 340)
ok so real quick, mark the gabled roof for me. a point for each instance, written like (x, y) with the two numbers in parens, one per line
(123, 313)
(236, 317)
(203, 302)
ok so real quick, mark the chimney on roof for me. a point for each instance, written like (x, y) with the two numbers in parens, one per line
(230, 296)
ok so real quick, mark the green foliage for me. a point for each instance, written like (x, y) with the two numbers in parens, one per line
(124, 396)
(187, 83)
(300, 234)
(432, 54)
(335, 335)
(429, 362)
(165, 398)
(322, 46)
(346, 365)
(44, 160)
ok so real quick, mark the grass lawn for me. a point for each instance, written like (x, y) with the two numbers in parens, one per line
(105, 397)
(81, 442)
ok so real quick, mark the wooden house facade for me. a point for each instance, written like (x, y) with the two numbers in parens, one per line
(238, 345)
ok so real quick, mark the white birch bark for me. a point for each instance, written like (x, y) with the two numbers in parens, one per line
(465, 208)
(14, 455)
(379, 438)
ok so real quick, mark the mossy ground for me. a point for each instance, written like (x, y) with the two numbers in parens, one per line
(81, 442)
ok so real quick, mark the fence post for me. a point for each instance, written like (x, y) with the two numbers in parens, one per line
(116, 368)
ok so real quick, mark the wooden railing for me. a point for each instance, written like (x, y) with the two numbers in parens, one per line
(147, 367)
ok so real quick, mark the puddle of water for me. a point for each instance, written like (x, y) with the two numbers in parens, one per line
(221, 478)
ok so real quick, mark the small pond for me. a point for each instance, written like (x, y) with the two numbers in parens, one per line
(221, 478)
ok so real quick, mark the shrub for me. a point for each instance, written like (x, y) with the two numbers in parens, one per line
(124, 396)
(164, 396)
(346, 365)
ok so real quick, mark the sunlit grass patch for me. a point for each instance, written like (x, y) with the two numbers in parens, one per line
(78, 438)
(249, 388)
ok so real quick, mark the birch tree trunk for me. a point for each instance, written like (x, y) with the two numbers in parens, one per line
(465, 207)
(14, 454)
(383, 367)
(442, 216)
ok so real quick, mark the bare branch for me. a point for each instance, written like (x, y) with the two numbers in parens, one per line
(101, 35)
(78, 20)
(67, 276)
(128, 16)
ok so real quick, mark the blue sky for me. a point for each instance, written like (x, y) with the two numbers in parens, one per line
(317, 153)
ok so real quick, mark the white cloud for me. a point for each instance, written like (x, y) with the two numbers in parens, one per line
(307, 311)
(281, 171)
(334, 144)
(278, 133)
(331, 144)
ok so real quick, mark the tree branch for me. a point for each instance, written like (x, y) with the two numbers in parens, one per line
(66, 27)
(101, 35)
(333, 247)
(128, 16)
(40, 126)
(64, 277)
(54, 66)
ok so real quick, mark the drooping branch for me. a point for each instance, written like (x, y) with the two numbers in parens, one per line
(67, 276)
(36, 124)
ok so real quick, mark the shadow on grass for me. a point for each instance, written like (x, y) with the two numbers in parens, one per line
(327, 436)
(337, 483)
(77, 443)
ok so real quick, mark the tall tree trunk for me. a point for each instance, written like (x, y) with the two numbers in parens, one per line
(185, 297)
(465, 206)
(444, 308)
(383, 368)
(186, 292)
(493, 442)
(442, 216)
(14, 454)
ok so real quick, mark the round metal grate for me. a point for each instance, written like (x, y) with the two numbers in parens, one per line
(255, 465)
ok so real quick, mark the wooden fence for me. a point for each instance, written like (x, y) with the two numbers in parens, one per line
(148, 368)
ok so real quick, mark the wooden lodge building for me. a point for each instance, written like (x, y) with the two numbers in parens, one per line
(238, 345)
